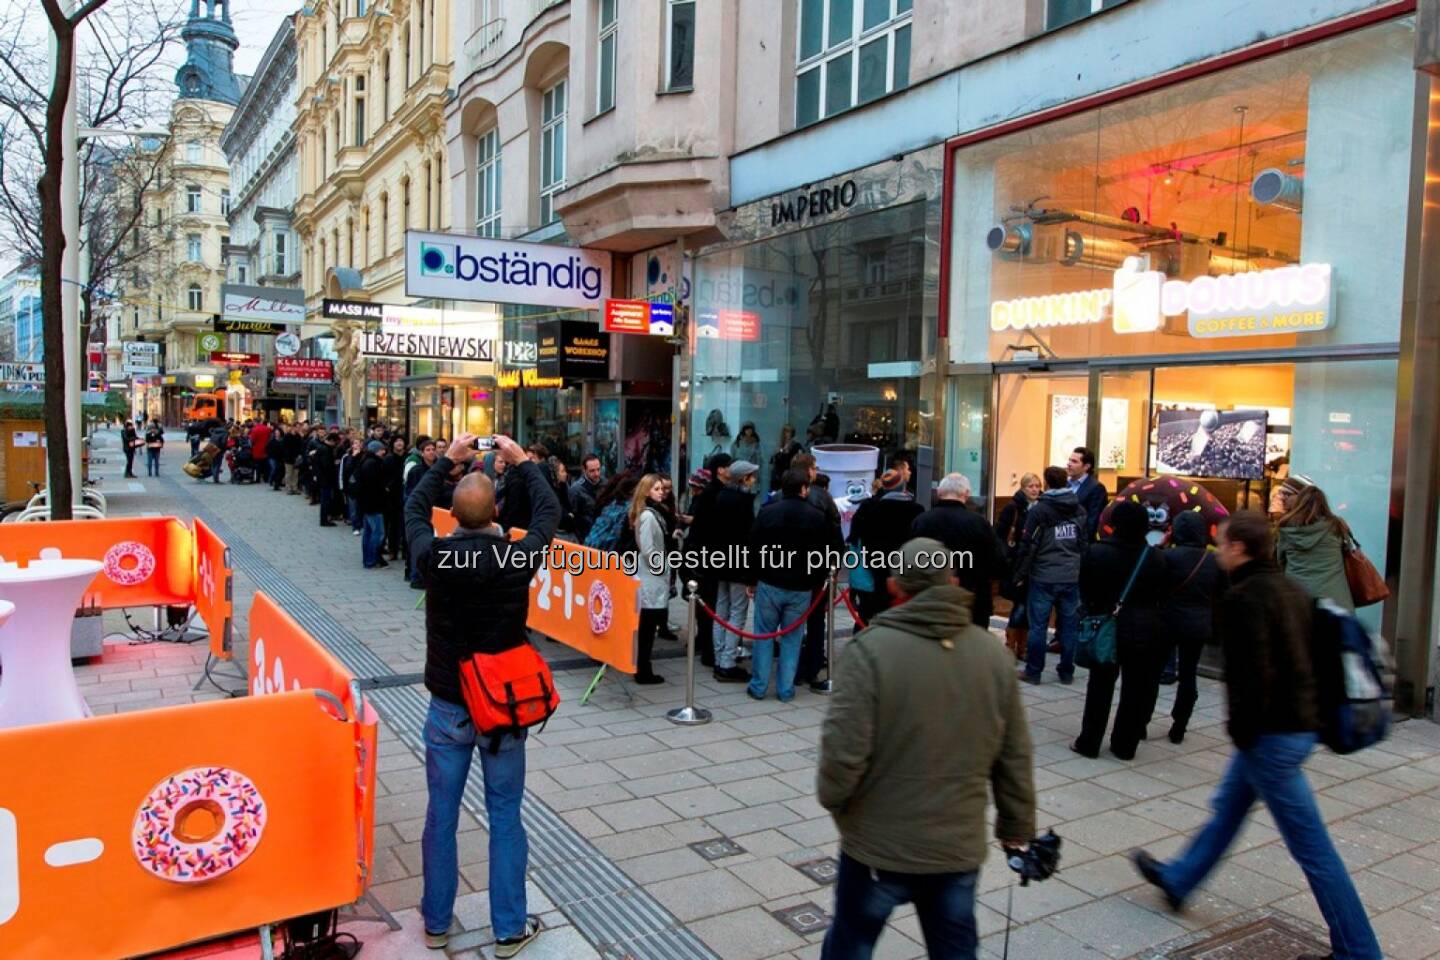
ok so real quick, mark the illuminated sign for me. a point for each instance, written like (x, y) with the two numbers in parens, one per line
(528, 377)
(235, 359)
(269, 308)
(640, 316)
(1295, 299)
(204, 381)
(27, 373)
(728, 325)
(572, 349)
(452, 266)
(303, 370)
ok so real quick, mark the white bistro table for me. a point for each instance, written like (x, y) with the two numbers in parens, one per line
(37, 683)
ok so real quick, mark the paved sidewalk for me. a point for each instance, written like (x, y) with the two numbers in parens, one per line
(663, 841)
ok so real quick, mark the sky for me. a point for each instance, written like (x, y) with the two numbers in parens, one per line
(255, 23)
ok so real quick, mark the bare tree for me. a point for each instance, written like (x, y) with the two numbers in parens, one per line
(117, 83)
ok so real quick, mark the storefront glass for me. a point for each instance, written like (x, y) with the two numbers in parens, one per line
(1204, 281)
(819, 331)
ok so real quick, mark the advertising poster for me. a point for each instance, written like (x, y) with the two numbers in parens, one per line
(607, 435)
(1225, 444)
(647, 436)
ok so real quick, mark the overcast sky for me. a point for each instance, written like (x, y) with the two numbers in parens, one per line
(255, 23)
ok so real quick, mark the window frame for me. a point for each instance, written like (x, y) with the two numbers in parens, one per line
(849, 49)
(279, 252)
(225, 202)
(194, 202)
(194, 248)
(1096, 6)
(358, 105)
(670, 85)
(606, 32)
(552, 131)
(488, 183)
(195, 298)
(194, 152)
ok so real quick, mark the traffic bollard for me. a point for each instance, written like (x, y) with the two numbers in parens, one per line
(689, 715)
(827, 686)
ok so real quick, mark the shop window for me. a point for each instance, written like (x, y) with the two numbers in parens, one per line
(487, 183)
(1060, 12)
(849, 52)
(552, 149)
(680, 45)
(605, 52)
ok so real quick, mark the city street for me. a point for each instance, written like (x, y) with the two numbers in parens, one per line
(654, 841)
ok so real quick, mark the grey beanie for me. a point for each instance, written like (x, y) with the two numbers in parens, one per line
(914, 574)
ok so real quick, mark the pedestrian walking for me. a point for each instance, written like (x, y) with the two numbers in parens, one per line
(651, 569)
(1089, 491)
(965, 533)
(154, 443)
(909, 794)
(475, 603)
(787, 546)
(370, 492)
(1263, 623)
(881, 525)
(1123, 571)
(1185, 613)
(1009, 529)
(130, 442)
(1047, 567)
(1311, 541)
(734, 514)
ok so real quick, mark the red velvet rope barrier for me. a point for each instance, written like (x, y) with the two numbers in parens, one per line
(745, 635)
(854, 613)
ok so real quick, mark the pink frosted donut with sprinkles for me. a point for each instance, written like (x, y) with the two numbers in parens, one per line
(198, 824)
(141, 563)
(601, 608)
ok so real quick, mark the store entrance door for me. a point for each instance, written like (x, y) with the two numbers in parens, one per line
(1040, 416)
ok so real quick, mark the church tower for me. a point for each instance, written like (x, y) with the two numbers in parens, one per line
(208, 72)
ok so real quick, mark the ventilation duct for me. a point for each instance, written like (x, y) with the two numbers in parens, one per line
(1093, 251)
(1009, 239)
(1276, 188)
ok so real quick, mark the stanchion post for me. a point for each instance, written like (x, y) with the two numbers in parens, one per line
(689, 715)
(826, 686)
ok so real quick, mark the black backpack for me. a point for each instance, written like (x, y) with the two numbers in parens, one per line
(1352, 695)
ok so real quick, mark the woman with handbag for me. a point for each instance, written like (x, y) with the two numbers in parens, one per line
(1009, 528)
(1310, 541)
(1122, 581)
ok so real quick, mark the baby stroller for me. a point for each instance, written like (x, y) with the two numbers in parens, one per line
(241, 461)
(201, 464)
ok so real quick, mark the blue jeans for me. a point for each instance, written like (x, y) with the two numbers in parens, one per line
(371, 538)
(864, 898)
(352, 509)
(1271, 771)
(776, 608)
(218, 466)
(450, 741)
(152, 461)
(1064, 599)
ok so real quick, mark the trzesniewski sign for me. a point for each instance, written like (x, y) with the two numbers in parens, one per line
(427, 346)
(28, 373)
(447, 266)
(264, 307)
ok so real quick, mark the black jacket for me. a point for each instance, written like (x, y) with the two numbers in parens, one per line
(394, 464)
(963, 530)
(477, 583)
(1263, 623)
(1196, 582)
(514, 496)
(582, 506)
(702, 513)
(1092, 496)
(883, 523)
(292, 447)
(1103, 575)
(1010, 525)
(1053, 544)
(804, 544)
(370, 484)
(731, 519)
(327, 472)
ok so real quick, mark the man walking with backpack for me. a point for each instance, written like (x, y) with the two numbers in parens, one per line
(1049, 562)
(477, 598)
(1263, 622)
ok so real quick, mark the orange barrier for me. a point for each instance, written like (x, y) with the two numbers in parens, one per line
(595, 610)
(149, 562)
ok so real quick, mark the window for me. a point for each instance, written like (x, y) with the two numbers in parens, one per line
(192, 247)
(192, 199)
(552, 149)
(407, 56)
(158, 217)
(192, 151)
(487, 184)
(242, 275)
(195, 298)
(849, 52)
(680, 45)
(421, 8)
(385, 87)
(360, 110)
(225, 203)
(429, 201)
(605, 56)
(281, 260)
(335, 120)
(384, 225)
(404, 205)
(1060, 12)
(359, 8)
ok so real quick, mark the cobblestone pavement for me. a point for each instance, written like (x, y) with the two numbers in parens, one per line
(627, 811)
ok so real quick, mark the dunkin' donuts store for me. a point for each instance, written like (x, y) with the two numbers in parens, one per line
(1203, 279)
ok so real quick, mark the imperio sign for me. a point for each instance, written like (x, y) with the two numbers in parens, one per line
(1294, 299)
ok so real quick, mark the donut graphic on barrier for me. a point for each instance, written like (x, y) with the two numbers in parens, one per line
(198, 824)
(601, 608)
(129, 564)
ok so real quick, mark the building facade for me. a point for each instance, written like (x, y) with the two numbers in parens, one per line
(21, 330)
(174, 296)
(368, 132)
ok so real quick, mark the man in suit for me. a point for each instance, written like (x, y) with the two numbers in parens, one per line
(1088, 489)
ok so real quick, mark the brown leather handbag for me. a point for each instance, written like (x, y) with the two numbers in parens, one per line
(1367, 586)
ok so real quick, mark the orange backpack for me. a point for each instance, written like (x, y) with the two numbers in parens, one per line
(508, 692)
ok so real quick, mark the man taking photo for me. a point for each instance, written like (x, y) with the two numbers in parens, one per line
(474, 603)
